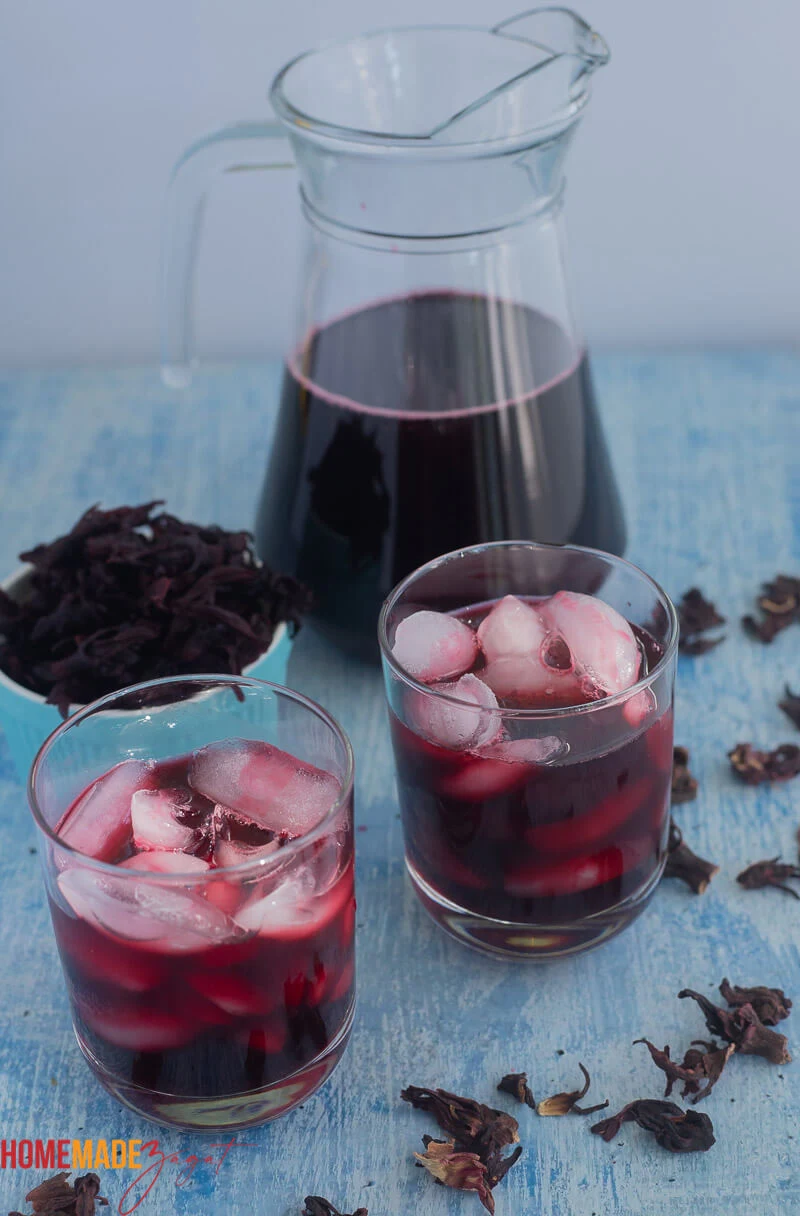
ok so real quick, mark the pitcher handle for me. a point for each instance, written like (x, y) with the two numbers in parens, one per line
(231, 149)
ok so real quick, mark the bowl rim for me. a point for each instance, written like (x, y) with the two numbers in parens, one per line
(24, 571)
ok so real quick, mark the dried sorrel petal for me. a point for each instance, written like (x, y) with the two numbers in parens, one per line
(56, 1195)
(676, 1130)
(315, 1206)
(87, 1187)
(771, 1004)
(699, 1070)
(498, 1166)
(461, 1171)
(684, 785)
(684, 864)
(516, 1084)
(53, 1195)
(564, 1104)
(743, 1028)
(770, 873)
(475, 1128)
(696, 616)
(791, 706)
(780, 605)
(753, 766)
(131, 594)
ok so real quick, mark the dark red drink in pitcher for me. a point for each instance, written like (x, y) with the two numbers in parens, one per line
(533, 743)
(425, 424)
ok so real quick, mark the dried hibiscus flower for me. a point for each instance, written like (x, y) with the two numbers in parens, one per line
(770, 873)
(771, 1004)
(684, 785)
(780, 607)
(743, 1028)
(684, 864)
(676, 1130)
(474, 1128)
(459, 1170)
(565, 1104)
(516, 1084)
(132, 594)
(315, 1206)
(754, 767)
(697, 616)
(55, 1195)
(699, 1070)
(791, 706)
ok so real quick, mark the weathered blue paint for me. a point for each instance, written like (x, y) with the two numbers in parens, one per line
(707, 448)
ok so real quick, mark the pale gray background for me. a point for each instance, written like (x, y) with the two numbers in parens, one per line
(684, 186)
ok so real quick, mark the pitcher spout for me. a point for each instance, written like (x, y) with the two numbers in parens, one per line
(541, 77)
(558, 31)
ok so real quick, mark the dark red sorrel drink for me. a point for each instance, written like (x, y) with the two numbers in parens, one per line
(533, 770)
(226, 999)
(420, 425)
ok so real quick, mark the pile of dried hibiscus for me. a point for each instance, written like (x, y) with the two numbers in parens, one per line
(133, 594)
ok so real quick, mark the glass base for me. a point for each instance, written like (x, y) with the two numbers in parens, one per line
(531, 942)
(225, 1112)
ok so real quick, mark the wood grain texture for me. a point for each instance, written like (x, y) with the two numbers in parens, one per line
(707, 451)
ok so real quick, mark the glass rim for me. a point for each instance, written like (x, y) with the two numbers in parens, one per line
(311, 124)
(243, 869)
(531, 714)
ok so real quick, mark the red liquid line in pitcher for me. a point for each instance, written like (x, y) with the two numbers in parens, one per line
(294, 362)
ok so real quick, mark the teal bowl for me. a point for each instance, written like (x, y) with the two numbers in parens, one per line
(26, 719)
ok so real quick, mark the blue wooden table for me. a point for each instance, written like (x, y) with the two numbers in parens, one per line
(707, 449)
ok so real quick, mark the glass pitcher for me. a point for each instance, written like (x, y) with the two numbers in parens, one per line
(437, 393)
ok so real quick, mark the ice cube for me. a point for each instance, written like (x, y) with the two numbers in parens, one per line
(99, 823)
(325, 859)
(530, 682)
(638, 708)
(568, 877)
(457, 727)
(543, 750)
(603, 822)
(99, 958)
(234, 852)
(294, 909)
(266, 785)
(600, 640)
(480, 778)
(285, 908)
(163, 862)
(233, 993)
(511, 628)
(225, 895)
(434, 646)
(501, 767)
(150, 914)
(155, 818)
(149, 1029)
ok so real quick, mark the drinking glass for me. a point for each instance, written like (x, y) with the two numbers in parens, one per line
(217, 999)
(551, 837)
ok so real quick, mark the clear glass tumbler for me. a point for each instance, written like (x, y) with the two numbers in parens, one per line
(542, 831)
(207, 995)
